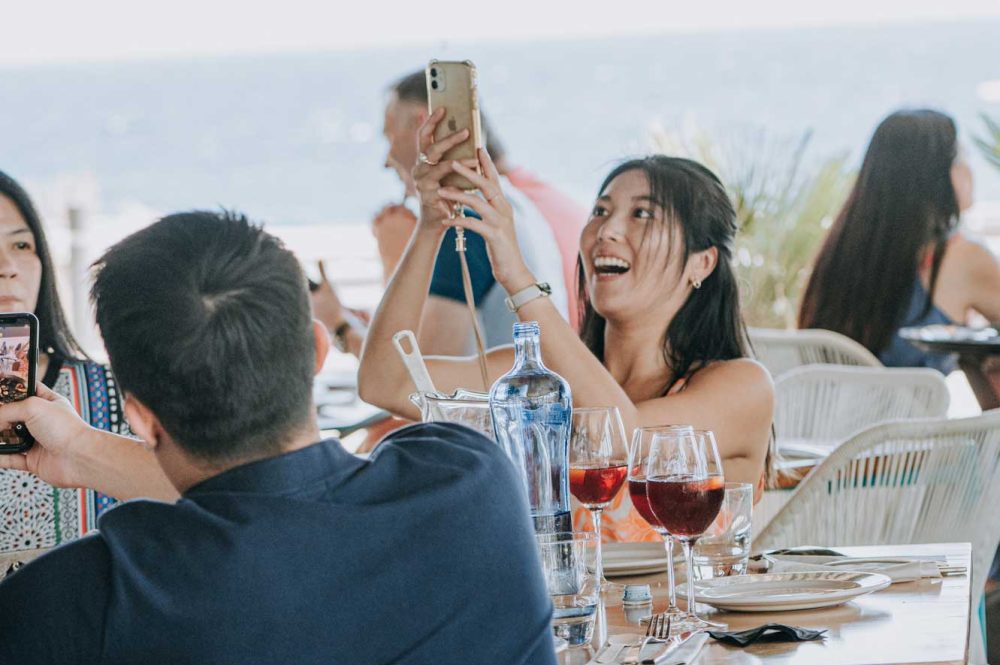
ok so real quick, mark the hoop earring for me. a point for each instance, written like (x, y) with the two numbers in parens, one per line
(696, 283)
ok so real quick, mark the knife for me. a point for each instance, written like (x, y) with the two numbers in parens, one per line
(689, 641)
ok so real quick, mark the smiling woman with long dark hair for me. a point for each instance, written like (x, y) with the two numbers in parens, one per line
(34, 514)
(662, 337)
(894, 256)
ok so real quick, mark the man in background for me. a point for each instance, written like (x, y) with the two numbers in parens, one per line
(548, 230)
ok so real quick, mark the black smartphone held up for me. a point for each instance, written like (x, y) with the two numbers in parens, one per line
(18, 366)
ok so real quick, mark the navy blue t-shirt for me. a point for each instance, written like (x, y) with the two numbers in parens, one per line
(423, 554)
(446, 280)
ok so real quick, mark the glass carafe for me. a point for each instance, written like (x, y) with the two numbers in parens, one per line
(464, 407)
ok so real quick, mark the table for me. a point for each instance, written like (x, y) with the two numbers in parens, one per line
(912, 622)
(973, 355)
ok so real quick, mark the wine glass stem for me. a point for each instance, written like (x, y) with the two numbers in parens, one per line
(688, 546)
(668, 542)
(595, 516)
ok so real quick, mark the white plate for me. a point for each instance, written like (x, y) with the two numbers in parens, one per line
(787, 591)
(622, 559)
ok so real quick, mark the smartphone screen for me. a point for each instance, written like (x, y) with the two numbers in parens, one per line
(18, 365)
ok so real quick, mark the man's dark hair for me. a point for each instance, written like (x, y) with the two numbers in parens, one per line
(413, 88)
(206, 320)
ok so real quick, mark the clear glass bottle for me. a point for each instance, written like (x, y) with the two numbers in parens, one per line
(532, 416)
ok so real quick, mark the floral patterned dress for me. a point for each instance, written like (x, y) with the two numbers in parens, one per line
(34, 514)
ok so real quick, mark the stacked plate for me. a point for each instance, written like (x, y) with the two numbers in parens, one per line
(621, 559)
(778, 592)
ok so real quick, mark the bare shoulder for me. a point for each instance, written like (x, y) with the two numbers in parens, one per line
(742, 387)
(735, 399)
(969, 252)
(744, 374)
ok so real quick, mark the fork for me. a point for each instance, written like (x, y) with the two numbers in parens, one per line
(658, 630)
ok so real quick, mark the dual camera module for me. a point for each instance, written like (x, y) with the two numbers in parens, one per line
(436, 79)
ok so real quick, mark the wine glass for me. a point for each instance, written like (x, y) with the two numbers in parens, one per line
(638, 456)
(598, 461)
(685, 487)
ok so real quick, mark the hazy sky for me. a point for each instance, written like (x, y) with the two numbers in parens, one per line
(61, 30)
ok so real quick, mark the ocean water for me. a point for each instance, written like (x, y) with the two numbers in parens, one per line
(296, 139)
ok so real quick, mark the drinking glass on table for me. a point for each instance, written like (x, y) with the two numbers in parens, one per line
(724, 548)
(572, 583)
(598, 462)
(638, 456)
(685, 487)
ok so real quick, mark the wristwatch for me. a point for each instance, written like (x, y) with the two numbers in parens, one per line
(526, 295)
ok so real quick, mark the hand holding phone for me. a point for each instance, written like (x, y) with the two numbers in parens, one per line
(18, 369)
(451, 85)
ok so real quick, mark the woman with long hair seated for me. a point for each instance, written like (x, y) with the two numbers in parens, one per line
(34, 514)
(894, 257)
(662, 336)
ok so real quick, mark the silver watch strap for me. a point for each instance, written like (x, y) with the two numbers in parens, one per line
(526, 295)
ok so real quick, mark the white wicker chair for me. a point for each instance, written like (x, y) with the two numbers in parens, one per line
(820, 406)
(917, 481)
(782, 350)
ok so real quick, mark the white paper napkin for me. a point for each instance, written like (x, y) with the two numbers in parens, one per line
(686, 654)
(903, 571)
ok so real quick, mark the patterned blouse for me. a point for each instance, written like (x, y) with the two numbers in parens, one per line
(35, 514)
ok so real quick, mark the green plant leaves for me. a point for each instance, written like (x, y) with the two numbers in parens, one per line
(784, 205)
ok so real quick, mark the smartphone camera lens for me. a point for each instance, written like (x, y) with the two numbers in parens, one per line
(434, 85)
(434, 72)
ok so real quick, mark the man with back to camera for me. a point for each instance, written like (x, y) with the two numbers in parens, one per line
(281, 548)
(548, 229)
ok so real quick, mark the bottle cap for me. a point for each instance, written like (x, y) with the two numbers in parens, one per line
(637, 594)
(636, 613)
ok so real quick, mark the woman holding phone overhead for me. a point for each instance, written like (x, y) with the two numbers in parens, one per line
(34, 514)
(661, 338)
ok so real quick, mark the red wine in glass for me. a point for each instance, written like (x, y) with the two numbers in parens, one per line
(685, 505)
(598, 485)
(637, 492)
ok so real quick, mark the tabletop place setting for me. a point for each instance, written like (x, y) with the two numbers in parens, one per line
(646, 601)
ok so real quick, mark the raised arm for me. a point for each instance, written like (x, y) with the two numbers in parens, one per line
(382, 377)
(562, 349)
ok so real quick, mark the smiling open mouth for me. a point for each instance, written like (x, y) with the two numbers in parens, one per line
(609, 265)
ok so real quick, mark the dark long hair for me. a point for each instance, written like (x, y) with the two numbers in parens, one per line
(902, 203)
(709, 325)
(54, 336)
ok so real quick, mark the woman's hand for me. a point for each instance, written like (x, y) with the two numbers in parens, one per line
(497, 223)
(429, 170)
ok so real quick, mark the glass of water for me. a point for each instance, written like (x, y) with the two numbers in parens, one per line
(569, 562)
(724, 549)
